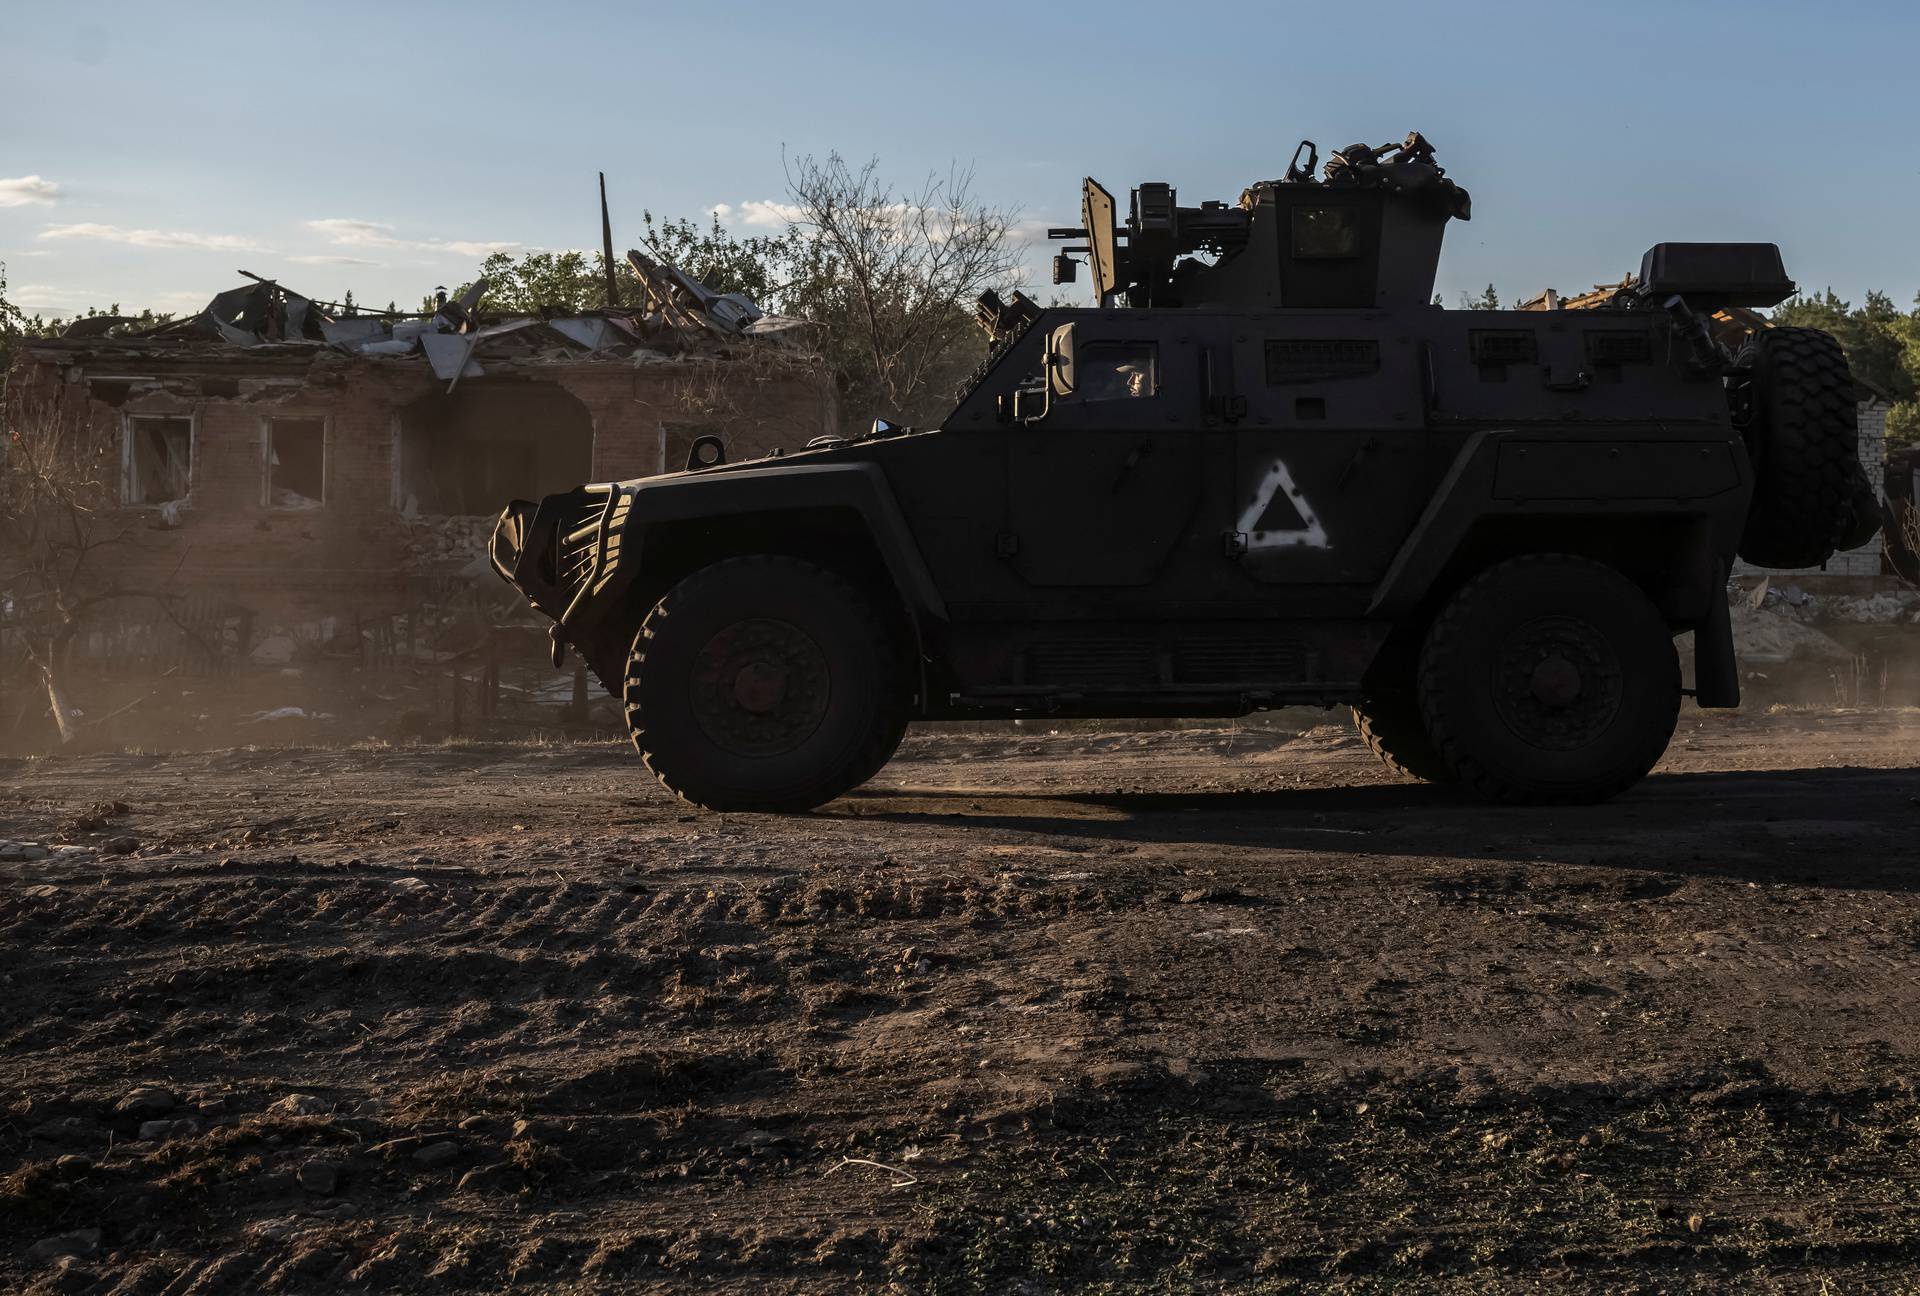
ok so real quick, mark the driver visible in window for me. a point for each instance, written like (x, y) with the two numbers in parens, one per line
(1118, 381)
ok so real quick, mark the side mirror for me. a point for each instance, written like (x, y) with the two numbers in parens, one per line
(883, 427)
(1060, 361)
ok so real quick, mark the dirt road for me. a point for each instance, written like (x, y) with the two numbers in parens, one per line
(1194, 1010)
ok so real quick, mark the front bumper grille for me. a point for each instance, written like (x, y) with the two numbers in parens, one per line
(564, 549)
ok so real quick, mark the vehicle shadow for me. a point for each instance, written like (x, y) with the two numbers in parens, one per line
(1842, 827)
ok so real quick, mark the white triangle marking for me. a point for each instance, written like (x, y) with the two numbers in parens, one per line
(1310, 535)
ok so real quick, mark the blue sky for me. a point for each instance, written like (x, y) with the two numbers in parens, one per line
(149, 151)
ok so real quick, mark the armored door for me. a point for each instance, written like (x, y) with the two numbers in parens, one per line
(1330, 468)
(1103, 487)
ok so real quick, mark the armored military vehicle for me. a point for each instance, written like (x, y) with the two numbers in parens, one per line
(1266, 469)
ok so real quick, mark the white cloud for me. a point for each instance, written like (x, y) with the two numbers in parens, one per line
(1029, 232)
(20, 191)
(345, 232)
(330, 259)
(188, 302)
(148, 238)
(758, 213)
(58, 302)
(772, 214)
(40, 297)
(353, 233)
(467, 249)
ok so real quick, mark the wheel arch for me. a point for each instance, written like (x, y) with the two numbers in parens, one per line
(1673, 548)
(842, 518)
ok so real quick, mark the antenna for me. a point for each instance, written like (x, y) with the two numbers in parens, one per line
(606, 244)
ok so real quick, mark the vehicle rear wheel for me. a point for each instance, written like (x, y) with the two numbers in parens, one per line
(883, 749)
(1810, 495)
(1550, 679)
(764, 683)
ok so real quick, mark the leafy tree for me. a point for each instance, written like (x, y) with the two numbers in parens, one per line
(765, 267)
(890, 276)
(1488, 300)
(16, 327)
(559, 281)
(13, 325)
(759, 266)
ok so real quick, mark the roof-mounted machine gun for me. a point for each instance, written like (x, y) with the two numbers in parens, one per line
(1367, 234)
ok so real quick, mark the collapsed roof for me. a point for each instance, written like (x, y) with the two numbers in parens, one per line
(678, 315)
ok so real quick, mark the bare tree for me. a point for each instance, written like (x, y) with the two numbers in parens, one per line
(894, 275)
(52, 530)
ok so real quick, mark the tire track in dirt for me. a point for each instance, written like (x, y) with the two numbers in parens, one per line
(1235, 1016)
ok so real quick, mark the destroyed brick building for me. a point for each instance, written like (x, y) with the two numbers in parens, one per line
(287, 472)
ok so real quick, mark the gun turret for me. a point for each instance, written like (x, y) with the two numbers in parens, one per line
(1367, 234)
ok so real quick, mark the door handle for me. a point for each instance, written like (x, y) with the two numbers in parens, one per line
(1140, 451)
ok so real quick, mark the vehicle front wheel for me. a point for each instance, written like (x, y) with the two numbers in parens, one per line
(764, 683)
(1550, 678)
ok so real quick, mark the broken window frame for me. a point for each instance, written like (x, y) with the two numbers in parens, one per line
(266, 457)
(129, 482)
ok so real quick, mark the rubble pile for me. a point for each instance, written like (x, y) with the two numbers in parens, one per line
(1762, 639)
(1880, 607)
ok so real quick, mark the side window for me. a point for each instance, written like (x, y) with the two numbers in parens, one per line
(296, 470)
(1106, 371)
(159, 460)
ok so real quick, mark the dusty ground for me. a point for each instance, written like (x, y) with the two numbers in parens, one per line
(1209, 1009)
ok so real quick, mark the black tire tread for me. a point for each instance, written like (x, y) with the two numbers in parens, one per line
(1806, 466)
(686, 783)
(1395, 732)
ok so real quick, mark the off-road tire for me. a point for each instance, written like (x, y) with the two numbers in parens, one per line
(778, 628)
(1549, 679)
(1391, 725)
(1802, 437)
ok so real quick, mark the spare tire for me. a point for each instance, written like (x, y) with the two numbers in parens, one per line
(1802, 436)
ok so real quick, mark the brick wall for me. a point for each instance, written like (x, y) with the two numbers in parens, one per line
(754, 406)
(357, 554)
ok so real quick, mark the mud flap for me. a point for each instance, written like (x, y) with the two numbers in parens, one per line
(1716, 674)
